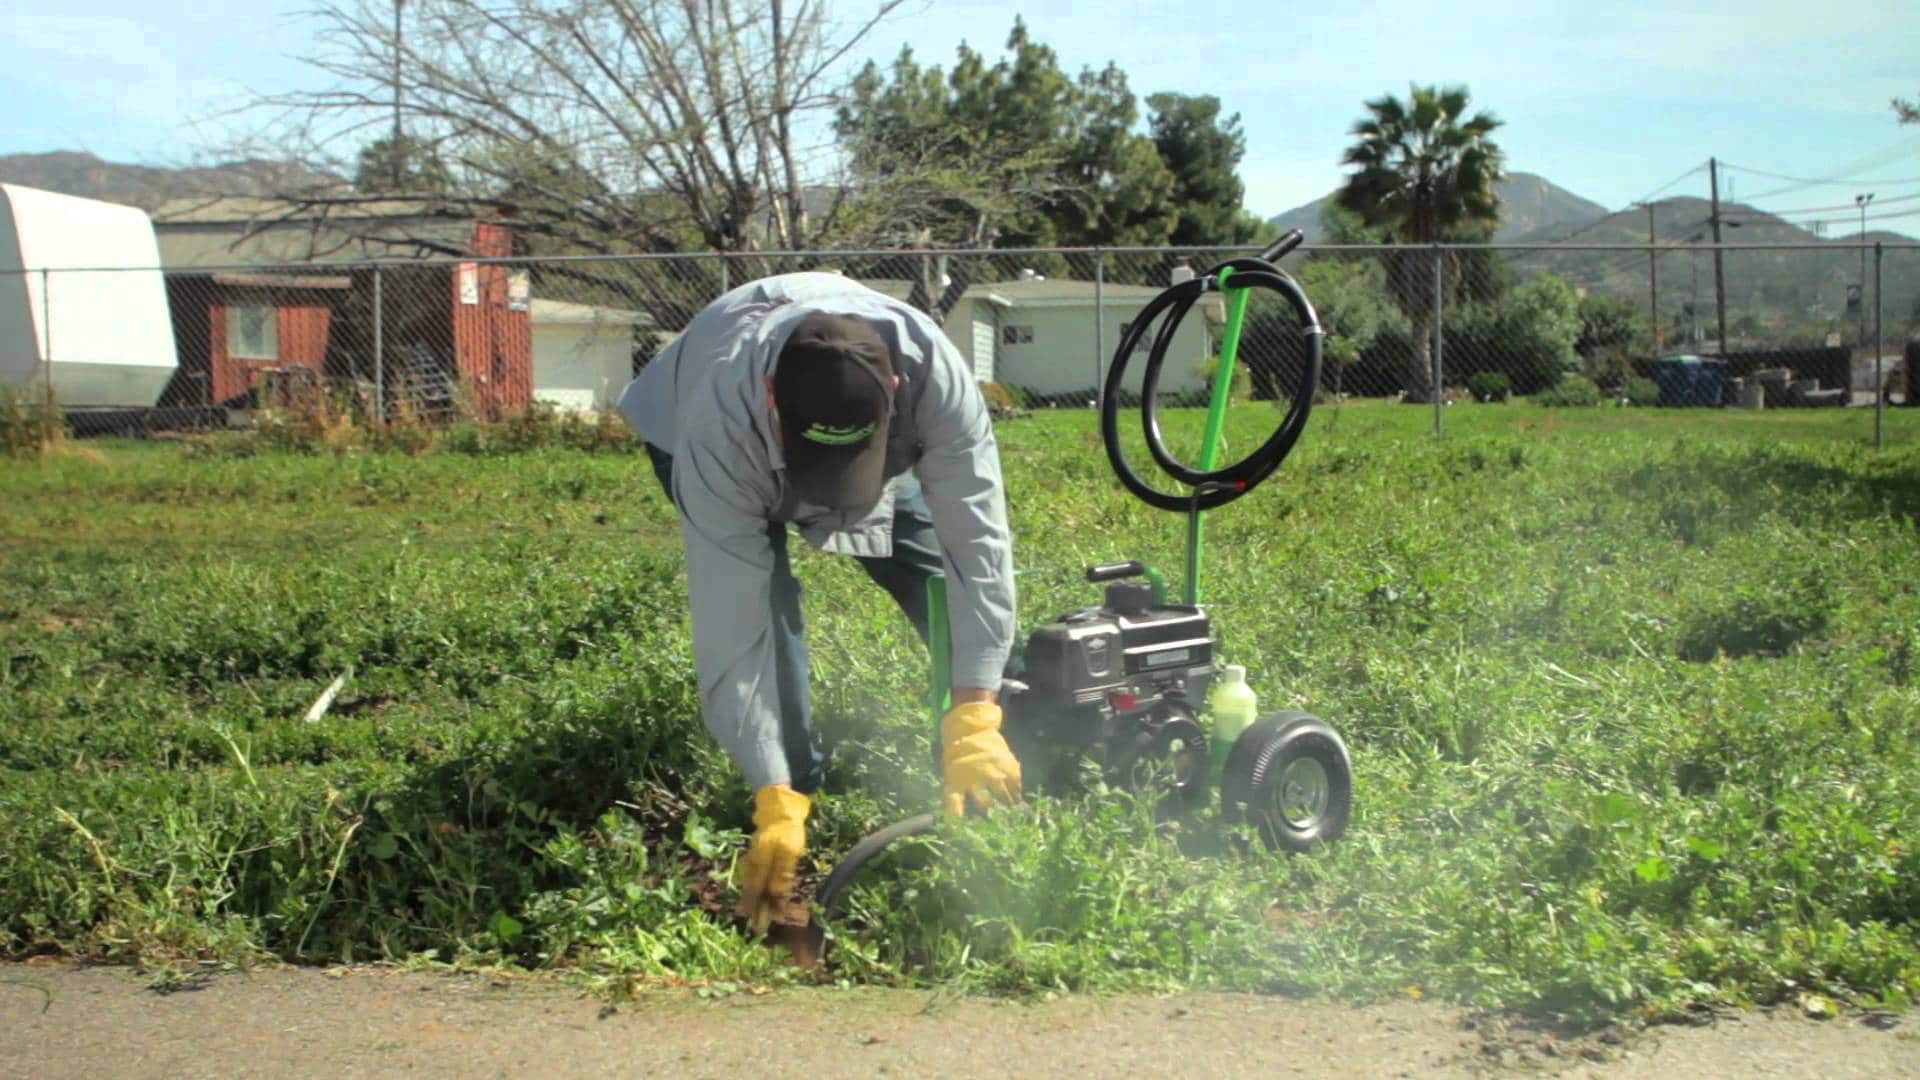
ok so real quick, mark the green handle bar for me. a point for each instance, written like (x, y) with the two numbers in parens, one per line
(1216, 417)
(939, 645)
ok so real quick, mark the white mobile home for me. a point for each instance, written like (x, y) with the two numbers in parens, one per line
(1054, 338)
(1039, 335)
(582, 353)
(83, 306)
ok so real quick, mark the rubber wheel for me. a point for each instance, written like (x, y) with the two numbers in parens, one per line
(834, 889)
(1290, 777)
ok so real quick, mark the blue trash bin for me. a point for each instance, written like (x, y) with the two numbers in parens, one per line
(1669, 374)
(1710, 382)
(1688, 380)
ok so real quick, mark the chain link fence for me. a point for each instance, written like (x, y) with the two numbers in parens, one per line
(134, 351)
(1894, 309)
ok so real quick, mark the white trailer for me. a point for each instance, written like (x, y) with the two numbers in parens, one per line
(582, 354)
(83, 305)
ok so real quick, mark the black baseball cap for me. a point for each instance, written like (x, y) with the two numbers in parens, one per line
(832, 386)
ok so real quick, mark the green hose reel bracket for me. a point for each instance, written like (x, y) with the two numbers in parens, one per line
(1216, 417)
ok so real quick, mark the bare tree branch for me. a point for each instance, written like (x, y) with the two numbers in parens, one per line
(604, 125)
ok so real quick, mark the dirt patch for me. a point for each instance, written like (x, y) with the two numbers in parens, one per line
(792, 930)
(60, 624)
(86, 454)
(60, 1021)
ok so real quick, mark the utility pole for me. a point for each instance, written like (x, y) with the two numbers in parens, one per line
(1693, 301)
(1653, 281)
(399, 154)
(1719, 273)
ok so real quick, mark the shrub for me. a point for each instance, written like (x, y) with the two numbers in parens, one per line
(541, 426)
(308, 423)
(1241, 390)
(30, 422)
(1528, 334)
(1642, 392)
(1767, 617)
(1029, 398)
(1003, 401)
(1489, 385)
(1571, 391)
(406, 435)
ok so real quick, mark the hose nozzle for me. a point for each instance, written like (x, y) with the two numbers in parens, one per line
(1277, 250)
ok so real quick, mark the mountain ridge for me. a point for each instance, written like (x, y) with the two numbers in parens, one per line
(1529, 203)
(1790, 286)
(76, 172)
(1785, 286)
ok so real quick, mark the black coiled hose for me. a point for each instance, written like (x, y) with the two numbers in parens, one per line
(1215, 487)
(832, 894)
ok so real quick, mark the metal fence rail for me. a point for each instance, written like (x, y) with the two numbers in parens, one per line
(137, 349)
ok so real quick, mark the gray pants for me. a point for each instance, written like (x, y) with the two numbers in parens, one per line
(903, 574)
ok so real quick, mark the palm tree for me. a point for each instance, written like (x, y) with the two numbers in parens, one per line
(1424, 176)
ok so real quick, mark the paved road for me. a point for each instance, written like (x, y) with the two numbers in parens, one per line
(58, 1021)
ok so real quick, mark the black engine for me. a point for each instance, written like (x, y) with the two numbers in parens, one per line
(1121, 685)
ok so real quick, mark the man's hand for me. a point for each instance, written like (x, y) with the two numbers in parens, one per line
(779, 839)
(975, 759)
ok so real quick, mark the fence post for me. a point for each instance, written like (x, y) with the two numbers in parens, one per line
(46, 330)
(379, 354)
(726, 275)
(1099, 319)
(930, 292)
(1438, 372)
(1879, 394)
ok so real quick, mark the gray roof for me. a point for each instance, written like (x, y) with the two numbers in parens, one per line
(232, 231)
(1058, 292)
(246, 231)
(548, 312)
(1047, 292)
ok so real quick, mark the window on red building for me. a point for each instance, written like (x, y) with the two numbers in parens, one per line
(253, 332)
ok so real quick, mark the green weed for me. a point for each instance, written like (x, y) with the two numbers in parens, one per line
(1630, 695)
(31, 422)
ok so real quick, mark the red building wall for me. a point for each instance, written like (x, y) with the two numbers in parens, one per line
(301, 326)
(492, 344)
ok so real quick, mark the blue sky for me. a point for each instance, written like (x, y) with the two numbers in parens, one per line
(1611, 104)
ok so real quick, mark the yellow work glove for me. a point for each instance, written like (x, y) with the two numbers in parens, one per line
(779, 839)
(975, 759)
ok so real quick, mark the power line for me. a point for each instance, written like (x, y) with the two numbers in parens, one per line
(1761, 216)
(1604, 265)
(1821, 209)
(1846, 174)
(1791, 188)
(1854, 218)
(1619, 261)
(1649, 195)
(1836, 180)
(1591, 225)
(1632, 262)
(1634, 205)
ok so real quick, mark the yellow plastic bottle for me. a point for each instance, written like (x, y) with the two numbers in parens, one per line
(1232, 706)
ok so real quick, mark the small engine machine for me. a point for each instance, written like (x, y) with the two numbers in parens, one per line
(1121, 685)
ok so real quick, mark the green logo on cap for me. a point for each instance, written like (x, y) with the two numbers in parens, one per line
(837, 436)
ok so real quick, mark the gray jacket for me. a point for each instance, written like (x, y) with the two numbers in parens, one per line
(703, 399)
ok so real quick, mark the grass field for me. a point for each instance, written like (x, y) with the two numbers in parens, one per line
(1631, 696)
